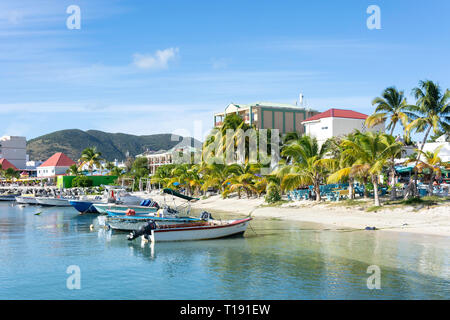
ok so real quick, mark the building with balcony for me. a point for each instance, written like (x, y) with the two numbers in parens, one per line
(268, 115)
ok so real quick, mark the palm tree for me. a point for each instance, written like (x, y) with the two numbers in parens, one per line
(432, 108)
(90, 157)
(73, 170)
(372, 150)
(305, 164)
(391, 105)
(345, 163)
(162, 175)
(430, 161)
(116, 171)
(393, 151)
(242, 177)
(214, 174)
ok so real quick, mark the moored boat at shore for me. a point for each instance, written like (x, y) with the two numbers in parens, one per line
(53, 201)
(134, 223)
(104, 208)
(210, 229)
(26, 199)
(8, 197)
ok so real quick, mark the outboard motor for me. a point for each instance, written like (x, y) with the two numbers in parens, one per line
(145, 230)
(205, 215)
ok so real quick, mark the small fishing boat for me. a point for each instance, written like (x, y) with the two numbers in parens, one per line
(145, 207)
(113, 195)
(53, 201)
(26, 199)
(210, 229)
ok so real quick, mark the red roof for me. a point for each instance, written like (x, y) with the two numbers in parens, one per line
(6, 164)
(338, 113)
(58, 160)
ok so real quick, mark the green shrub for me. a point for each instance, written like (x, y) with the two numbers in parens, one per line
(273, 193)
(81, 182)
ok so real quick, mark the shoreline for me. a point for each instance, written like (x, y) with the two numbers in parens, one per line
(433, 220)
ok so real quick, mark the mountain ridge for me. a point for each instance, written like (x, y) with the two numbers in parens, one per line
(112, 145)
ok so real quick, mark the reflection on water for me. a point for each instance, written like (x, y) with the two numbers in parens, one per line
(275, 260)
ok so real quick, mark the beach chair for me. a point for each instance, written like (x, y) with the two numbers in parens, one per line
(423, 192)
(343, 194)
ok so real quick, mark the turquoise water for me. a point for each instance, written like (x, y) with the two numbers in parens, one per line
(275, 260)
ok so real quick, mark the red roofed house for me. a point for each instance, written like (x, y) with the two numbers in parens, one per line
(57, 164)
(6, 164)
(336, 122)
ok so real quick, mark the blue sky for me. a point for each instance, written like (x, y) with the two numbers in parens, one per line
(145, 67)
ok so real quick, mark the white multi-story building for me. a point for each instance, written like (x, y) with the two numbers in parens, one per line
(335, 123)
(14, 149)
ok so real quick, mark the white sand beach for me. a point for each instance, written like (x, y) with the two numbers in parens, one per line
(433, 220)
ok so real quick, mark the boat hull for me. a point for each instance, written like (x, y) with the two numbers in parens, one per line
(232, 228)
(26, 200)
(84, 206)
(104, 208)
(53, 202)
(130, 223)
(8, 197)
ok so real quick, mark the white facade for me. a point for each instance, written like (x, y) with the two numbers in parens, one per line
(326, 128)
(14, 149)
(444, 153)
(51, 171)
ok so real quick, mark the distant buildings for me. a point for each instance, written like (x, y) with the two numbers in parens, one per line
(268, 115)
(443, 141)
(14, 149)
(57, 164)
(335, 123)
(6, 164)
(164, 157)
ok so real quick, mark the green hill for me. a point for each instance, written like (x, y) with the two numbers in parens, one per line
(111, 145)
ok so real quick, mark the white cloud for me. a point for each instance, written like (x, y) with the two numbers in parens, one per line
(159, 60)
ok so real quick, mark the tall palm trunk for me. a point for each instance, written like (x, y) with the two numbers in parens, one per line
(375, 190)
(392, 130)
(412, 187)
(393, 190)
(317, 190)
(351, 192)
(366, 193)
(430, 184)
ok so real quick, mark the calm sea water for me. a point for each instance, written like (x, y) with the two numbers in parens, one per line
(275, 260)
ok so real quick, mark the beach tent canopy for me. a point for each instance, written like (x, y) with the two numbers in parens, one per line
(403, 169)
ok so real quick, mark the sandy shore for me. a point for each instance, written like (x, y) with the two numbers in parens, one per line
(434, 220)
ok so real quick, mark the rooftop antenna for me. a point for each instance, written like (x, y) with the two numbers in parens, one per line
(300, 99)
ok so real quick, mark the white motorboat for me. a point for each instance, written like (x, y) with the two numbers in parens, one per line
(52, 201)
(26, 199)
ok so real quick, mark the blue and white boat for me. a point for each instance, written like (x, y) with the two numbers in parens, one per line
(85, 206)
